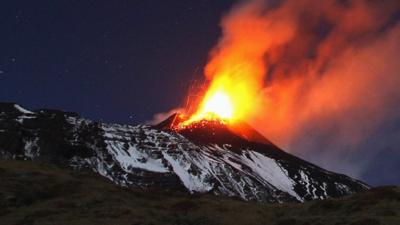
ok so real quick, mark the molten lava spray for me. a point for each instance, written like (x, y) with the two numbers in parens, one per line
(315, 77)
(237, 65)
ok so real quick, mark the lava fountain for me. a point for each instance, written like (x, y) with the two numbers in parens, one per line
(236, 68)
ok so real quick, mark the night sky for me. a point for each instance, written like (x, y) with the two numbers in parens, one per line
(124, 61)
(119, 61)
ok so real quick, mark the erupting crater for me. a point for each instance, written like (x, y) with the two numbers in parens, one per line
(217, 108)
(212, 126)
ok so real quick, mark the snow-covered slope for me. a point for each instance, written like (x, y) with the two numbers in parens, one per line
(207, 158)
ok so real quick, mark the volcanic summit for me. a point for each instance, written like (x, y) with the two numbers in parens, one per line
(207, 156)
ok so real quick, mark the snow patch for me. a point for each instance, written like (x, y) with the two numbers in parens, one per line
(21, 119)
(132, 158)
(191, 182)
(269, 170)
(31, 148)
(22, 110)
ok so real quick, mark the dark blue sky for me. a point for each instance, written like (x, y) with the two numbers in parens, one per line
(118, 61)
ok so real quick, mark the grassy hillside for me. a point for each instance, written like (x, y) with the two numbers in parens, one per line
(43, 194)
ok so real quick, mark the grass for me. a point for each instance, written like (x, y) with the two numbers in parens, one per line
(43, 194)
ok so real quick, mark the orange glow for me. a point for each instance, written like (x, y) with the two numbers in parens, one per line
(313, 76)
(236, 68)
(219, 104)
(224, 100)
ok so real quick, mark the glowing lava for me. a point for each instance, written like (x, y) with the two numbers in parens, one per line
(218, 106)
(223, 101)
(229, 97)
(235, 70)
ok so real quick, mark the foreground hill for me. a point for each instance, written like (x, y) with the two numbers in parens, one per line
(33, 193)
(206, 157)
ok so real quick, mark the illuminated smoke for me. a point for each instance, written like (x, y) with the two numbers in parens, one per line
(319, 77)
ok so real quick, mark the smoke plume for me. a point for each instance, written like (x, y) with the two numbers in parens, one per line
(325, 74)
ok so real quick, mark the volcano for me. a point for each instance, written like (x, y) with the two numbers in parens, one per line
(207, 156)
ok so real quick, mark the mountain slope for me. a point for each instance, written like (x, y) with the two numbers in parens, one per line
(34, 193)
(207, 157)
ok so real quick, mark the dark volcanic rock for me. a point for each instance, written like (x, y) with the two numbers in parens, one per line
(205, 157)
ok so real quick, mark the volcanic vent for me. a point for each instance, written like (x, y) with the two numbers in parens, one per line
(212, 130)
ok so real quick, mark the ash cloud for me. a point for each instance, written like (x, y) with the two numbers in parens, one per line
(330, 76)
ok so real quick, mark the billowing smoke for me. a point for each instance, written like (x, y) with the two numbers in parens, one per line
(326, 74)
